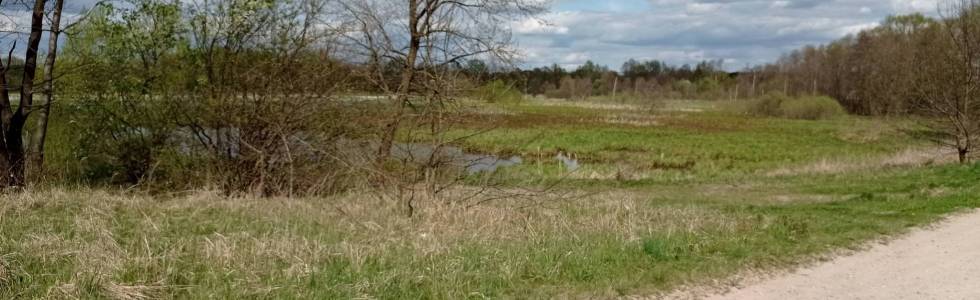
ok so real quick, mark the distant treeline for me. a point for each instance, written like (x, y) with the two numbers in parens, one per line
(646, 79)
(871, 73)
(16, 69)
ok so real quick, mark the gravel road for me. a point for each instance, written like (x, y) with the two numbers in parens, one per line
(939, 262)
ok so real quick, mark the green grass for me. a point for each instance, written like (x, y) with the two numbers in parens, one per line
(667, 146)
(606, 238)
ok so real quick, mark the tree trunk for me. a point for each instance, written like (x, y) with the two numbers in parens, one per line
(36, 170)
(964, 156)
(5, 115)
(735, 96)
(13, 122)
(15, 151)
(405, 87)
(615, 87)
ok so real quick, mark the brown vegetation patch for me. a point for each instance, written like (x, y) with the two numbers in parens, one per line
(802, 198)
(863, 134)
(133, 292)
(590, 105)
(908, 158)
(4, 274)
(706, 124)
(637, 120)
(522, 120)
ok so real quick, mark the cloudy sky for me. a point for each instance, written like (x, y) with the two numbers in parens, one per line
(740, 32)
(15, 17)
(686, 31)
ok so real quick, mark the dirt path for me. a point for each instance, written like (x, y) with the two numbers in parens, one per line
(942, 262)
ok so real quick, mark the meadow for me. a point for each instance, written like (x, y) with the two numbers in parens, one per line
(688, 193)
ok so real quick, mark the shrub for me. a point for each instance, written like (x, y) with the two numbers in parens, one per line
(769, 105)
(811, 108)
(710, 89)
(804, 108)
(112, 147)
(499, 92)
(685, 87)
(571, 89)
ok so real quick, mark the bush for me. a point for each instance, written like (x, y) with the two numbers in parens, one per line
(804, 108)
(710, 89)
(499, 92)
(111, 147)
(811, 108)
(685, 87)
(769, 105)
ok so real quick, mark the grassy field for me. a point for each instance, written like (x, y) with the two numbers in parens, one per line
(684, 142)
(683, 194)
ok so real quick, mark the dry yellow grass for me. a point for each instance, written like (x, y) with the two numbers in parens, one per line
(81, 243)
(372, 226)
(912, 157)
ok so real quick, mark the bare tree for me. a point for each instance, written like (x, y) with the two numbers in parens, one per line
(949, 86)
(426, 39)
(414, 52)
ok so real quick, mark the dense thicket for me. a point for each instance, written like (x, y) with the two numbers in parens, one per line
(235, 93)
(262, 96)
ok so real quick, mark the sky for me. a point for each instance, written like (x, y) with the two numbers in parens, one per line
(740, 32)
(15, 16)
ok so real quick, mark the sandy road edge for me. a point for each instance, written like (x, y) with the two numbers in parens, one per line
(752, 277)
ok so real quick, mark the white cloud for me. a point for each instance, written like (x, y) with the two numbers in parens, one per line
(779, 4)
(575, 58)
(537, 26)
(909, 6)
(684, 31)
(854, 29)
(702, 8)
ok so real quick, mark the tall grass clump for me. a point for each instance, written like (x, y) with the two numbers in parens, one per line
(498, 91)
(811, 108)
(769, 105)
(800, 108)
